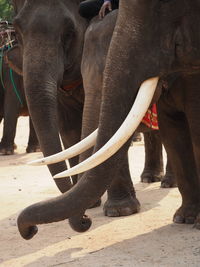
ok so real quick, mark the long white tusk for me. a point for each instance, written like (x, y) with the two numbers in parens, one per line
(71, 152)
(137, 112)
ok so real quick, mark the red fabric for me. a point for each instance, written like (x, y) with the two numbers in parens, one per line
(150, 119)
(71, 86)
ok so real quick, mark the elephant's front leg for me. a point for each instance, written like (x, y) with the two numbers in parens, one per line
(121, 200)
(11, 113)
(177, 140)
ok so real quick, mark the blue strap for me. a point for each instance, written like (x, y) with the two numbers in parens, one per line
(14, 87)
(11, 76)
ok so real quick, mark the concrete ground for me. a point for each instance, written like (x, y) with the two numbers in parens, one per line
(147, 239)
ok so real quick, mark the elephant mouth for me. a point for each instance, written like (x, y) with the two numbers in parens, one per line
(130, 124)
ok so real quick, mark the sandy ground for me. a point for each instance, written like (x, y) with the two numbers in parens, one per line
(148, 238)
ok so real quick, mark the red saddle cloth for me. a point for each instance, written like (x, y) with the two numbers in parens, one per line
(150, 119)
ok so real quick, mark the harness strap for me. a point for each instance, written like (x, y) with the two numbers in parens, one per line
(14, 87)
(11, 77)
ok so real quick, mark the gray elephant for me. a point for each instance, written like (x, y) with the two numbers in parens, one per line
(152, 41)
(12, 105)
(93, 62)
(51, 53)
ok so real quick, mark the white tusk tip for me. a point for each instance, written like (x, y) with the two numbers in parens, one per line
(60, 175)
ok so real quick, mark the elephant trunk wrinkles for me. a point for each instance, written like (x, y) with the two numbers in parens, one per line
(40, 82)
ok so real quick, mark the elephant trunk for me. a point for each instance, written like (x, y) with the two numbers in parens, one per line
(124, 73)
(41, 76)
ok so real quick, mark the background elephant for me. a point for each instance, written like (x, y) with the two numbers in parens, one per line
(11, 108)
(50, 36)
(150, 39)
(12, 98)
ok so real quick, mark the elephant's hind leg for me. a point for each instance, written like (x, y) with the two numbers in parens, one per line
(177, 140)
(192, 111)
(153, 169)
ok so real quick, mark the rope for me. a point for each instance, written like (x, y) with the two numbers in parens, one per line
(14, 87)
(11, 76)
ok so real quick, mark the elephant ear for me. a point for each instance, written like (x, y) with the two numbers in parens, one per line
(13, 58)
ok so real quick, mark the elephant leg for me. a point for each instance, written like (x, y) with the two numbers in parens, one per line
(11, 113)
(192, 112)
(33, 143)
(153, 168)
(176, 137)
(196, 148)
(168, 180)
(121, 199)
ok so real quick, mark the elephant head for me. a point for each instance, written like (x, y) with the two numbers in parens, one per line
(151, 39)
(50, 40)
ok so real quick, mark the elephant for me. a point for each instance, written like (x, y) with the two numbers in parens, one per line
(27, 220)
(51, 55)
(93, 62)
(50, 44)
(12, 104)
(152, 41)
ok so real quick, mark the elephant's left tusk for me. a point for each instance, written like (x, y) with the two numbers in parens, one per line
(137, 112)
(71, 152)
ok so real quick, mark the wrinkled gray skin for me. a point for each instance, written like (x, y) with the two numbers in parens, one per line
(149, 58)
(40, 42)
(97, 40)
(10, 110)
(151, 38)
(50, 36)
(59, 42)
(121, 195)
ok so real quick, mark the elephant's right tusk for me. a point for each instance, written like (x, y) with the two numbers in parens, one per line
(71, 152)
(130, 124)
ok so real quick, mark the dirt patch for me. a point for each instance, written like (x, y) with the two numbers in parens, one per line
(148, 238)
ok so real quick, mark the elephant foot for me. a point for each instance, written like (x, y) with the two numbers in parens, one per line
(187, 214)
(121, 207)
(149, 176)
(97, 204)
(7, 151)
(33, 148)
(168, 181)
